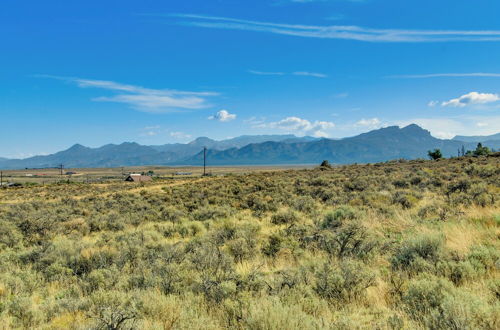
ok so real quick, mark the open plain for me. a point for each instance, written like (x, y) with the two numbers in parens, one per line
(402, 244)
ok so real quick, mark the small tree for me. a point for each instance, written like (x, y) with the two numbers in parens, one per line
(481, 151)
(435, 155)
(325, 164)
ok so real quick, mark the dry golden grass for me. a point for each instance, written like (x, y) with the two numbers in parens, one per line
(204, 253)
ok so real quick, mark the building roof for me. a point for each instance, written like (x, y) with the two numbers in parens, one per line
(134, 177)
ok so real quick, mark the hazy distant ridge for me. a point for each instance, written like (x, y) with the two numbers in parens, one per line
(379, 145)
(479, 138)
(383, 144)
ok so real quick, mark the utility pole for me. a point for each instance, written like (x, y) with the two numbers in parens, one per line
(61, 169)
(1, 179)
(204, 161)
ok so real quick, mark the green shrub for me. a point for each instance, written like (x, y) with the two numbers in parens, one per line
(457, 271)
(336, 218)
(210, 213)
(480, 195)
(287, 217)
(343, 284)
(273, 245)
(436, 304)
(260, 204)
(241, 249)
(272, 313)
(211, 261)
(216, 291)
(26, 314)
(349, 240)
(171, 214)
(112, 310)
(484, 258)
(405, 199)
(304, 204)
(424, 299)
(436, 211)
(411, 254)
(9, 235)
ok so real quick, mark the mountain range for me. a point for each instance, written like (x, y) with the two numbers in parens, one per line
(383, 144)
(494, 137)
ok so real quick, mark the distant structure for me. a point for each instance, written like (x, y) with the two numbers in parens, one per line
(136, 177)
(183, 173)
(10, 184)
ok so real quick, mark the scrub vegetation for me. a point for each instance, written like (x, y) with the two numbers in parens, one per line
(396, 245)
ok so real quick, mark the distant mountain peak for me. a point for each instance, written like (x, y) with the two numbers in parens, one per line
(201, 139)
(415, 129)
(77, 147)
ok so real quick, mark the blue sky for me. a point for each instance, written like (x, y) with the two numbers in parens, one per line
(155, 72)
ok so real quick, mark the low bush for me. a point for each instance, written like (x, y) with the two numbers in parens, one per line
(287, 217)
(343, 284)
(415, 254)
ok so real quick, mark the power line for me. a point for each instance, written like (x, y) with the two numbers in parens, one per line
(204, 161)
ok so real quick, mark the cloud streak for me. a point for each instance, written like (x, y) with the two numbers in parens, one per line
(369, 123)
(296, 73)
(301, 126)
(472, 99)
(264, 73)
(310, 74)
(448, 75)
(347, 32)
(141, 98)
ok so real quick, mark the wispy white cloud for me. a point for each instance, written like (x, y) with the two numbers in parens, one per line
(471, 99)
(339, 31)
(150, 131)
(143, 99)
(255, 121)
(223, 116)
(448, 75)
(264, 73)
(341, 95)
(296, 73)
(311, 1)
(371, 123)
(310, 74)
(301, 126)
(180, 135)
(432, 103)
